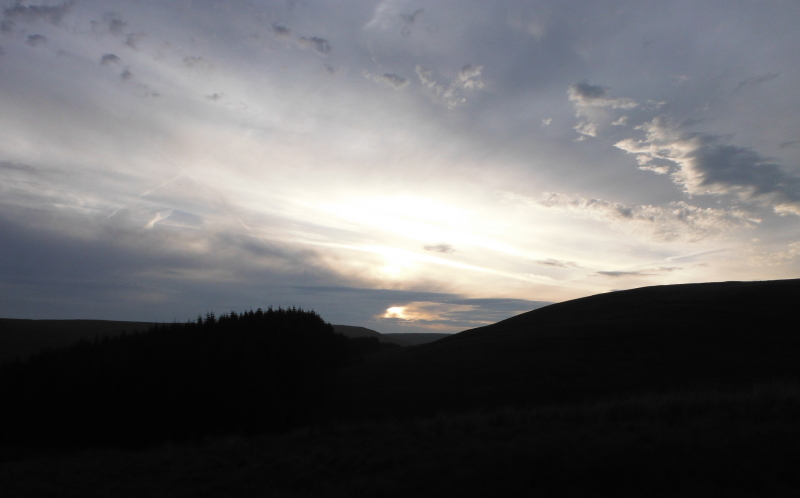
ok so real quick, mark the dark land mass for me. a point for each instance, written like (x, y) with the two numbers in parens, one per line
(406, 339)
(684, 390)
(648, 340)
(416, 339)
(22, 338)
(353, 331)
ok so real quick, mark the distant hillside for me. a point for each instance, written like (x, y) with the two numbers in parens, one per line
(404, 340)
(22, 338)
(648, 340)
(353, 331)
(416, 338)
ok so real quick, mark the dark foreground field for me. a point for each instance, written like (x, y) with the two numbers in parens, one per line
(687, 390)
(736, 444)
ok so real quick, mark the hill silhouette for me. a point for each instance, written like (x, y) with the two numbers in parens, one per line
(353, 331)
(647, 340)
(401, 339)
(21, 338)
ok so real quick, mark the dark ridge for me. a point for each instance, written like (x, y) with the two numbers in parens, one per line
(22, 338)
(417, 338)
(648, 340)
(354, 331)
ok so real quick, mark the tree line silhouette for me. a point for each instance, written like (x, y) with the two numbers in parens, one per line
(241, 373)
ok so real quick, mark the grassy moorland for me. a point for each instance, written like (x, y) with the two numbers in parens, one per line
(699, 443)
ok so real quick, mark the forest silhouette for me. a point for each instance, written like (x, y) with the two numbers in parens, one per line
(240, 373)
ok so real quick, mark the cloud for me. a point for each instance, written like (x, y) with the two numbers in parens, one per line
(622, 121)
(555, 263)
(36, 40)
(160, 216)
(214, 96)
(408, 310)
(789, 143)
(452, 95)
(132, 40)
(391, 79)
(639, 273)
(107, 59)
(585, 95)
(32, 13)
(281, 30)
(677, 222)
(197, 63)
(114, 23)
(442, 248)
(755, 81)
(320, 46)
(409, 20)
(787, 254)
(8, 165)
(586, 128)
(707, 164)
(126, 75)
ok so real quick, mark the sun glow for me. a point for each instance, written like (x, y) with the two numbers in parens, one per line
(396, 312)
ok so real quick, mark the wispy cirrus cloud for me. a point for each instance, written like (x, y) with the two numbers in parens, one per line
(679, 221)
(648, 272)
(453, 94)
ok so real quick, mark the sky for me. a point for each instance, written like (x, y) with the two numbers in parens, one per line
(402, 165)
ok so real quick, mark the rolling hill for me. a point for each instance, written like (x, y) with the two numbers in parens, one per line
(647, 340)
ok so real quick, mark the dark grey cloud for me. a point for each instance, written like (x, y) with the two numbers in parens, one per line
(320, 46)
(755, 81)
(789, 143)
(126, 75)
(32, 13)
(409, 20)
(584, 94)
(115, 24)
(8, 165)
(214, 96)
(36, 40)
(132, 40)
(107, 59)
(442, 248)
(281, 30)
(639, 273)
(557, 263)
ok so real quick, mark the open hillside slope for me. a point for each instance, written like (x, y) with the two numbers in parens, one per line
(647, 340)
